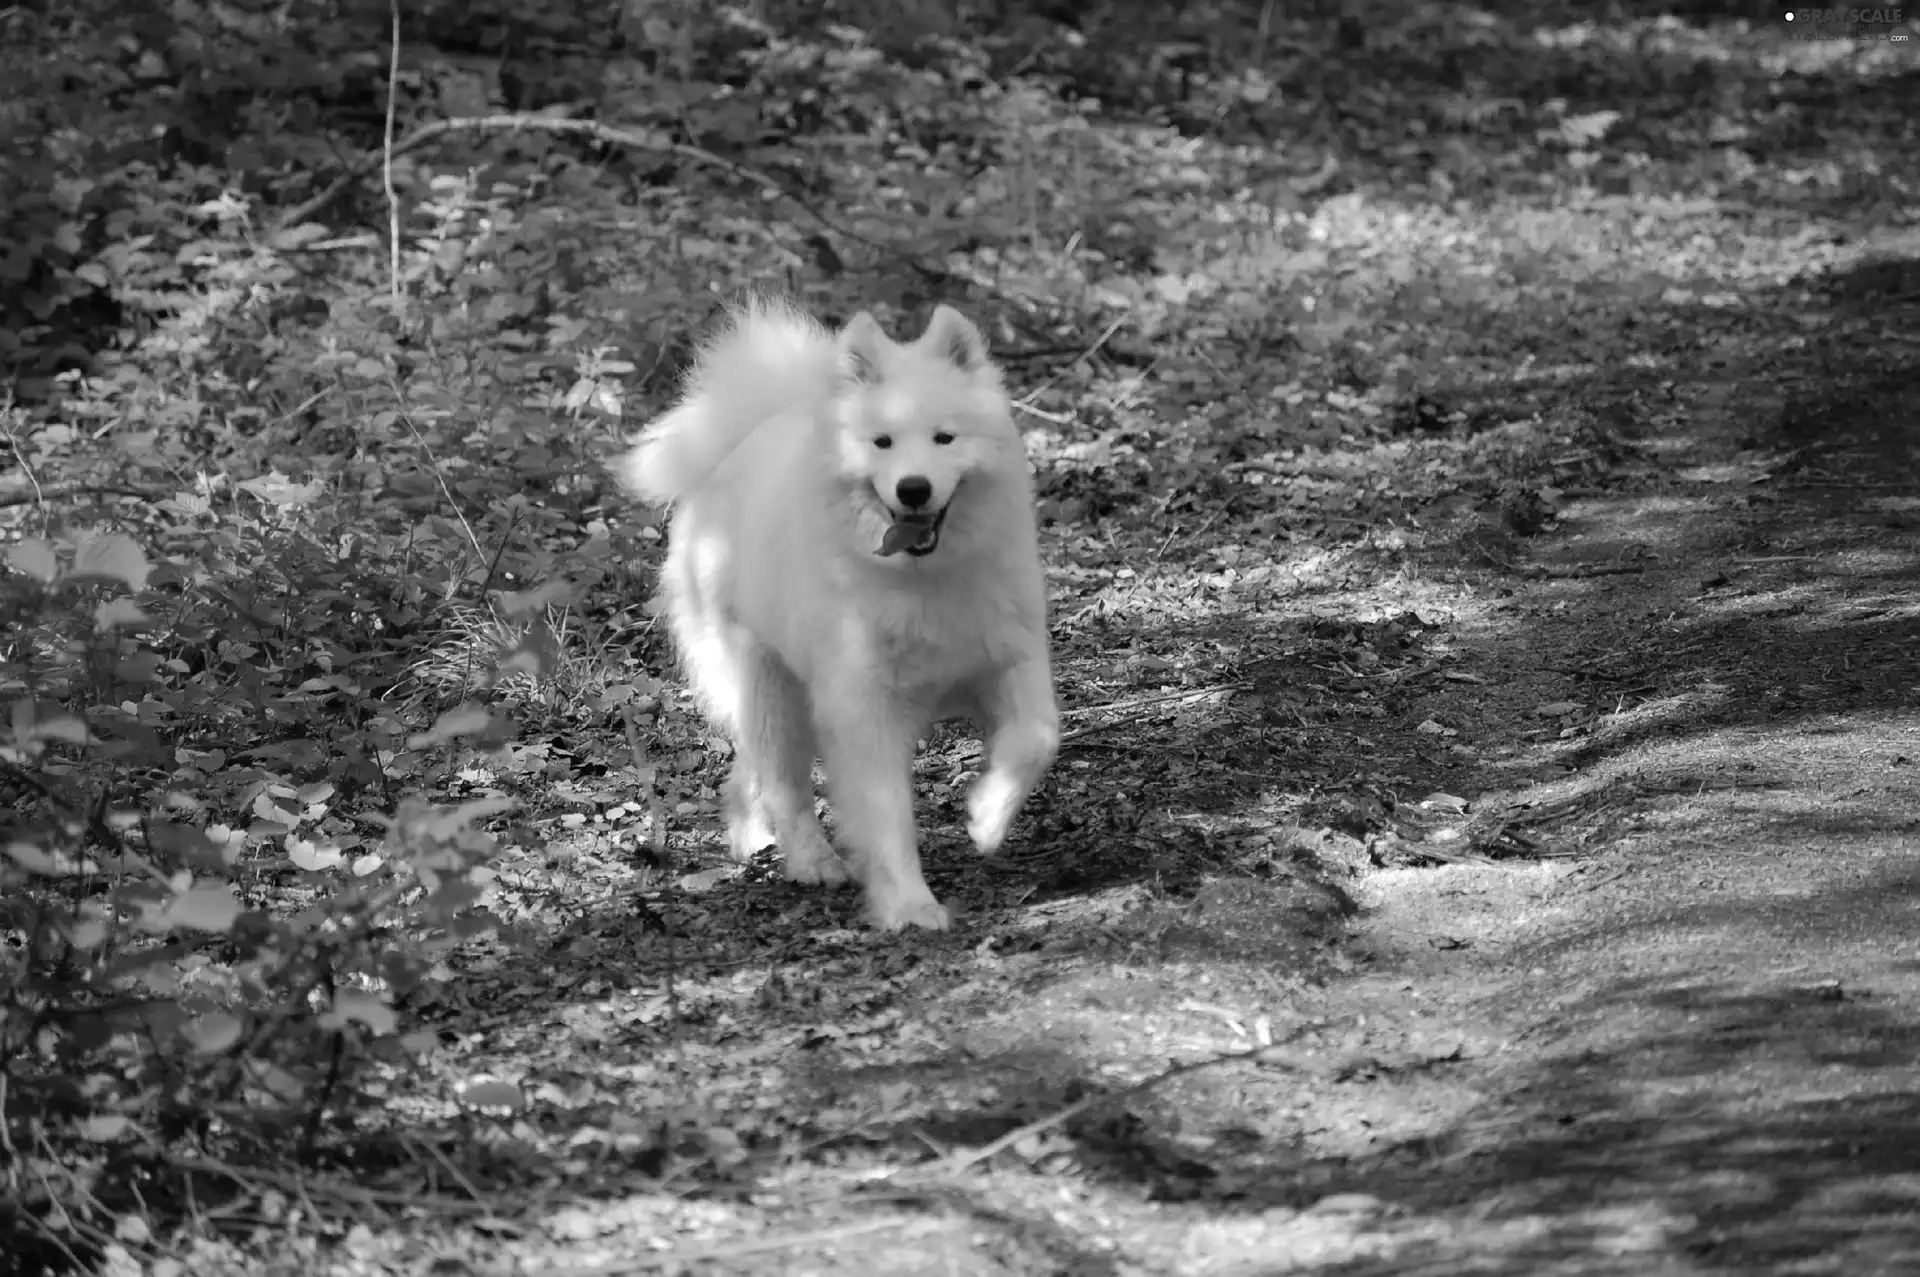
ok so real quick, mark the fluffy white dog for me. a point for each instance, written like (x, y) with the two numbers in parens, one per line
(852, 556)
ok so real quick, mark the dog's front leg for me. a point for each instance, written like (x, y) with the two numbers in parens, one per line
(1022, 727)
(868, 749)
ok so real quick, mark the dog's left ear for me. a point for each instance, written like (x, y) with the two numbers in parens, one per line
(861, 343)
(952, 336)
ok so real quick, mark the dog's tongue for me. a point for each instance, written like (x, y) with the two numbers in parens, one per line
(907, 533)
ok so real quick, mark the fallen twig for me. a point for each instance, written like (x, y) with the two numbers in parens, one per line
(1428, 851)
(58, 491)
(251, 1178)
(1028, 400)
(1056, 418)
(758, 1246)
(1025, 353)
(1140, 702)
(1143, 702)
(453, 1172)
(1270, 1053)
(1158, 698)
(1221, 1014)
(339, 244)
(1580, 571)
(1850, 484)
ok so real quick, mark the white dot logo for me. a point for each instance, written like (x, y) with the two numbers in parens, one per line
(1789, 15)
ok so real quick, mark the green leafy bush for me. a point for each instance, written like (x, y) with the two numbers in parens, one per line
(148, 992)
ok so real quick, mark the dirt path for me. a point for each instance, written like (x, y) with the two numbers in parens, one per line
(1707, 1031)
(1690, 1050)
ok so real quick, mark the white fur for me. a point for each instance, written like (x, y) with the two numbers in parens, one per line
(800, 637)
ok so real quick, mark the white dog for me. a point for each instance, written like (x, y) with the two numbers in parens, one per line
(852, 556)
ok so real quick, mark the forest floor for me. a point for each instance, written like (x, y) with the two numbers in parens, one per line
(1485, 565)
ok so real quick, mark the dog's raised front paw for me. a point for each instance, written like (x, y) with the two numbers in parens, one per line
(991, 807)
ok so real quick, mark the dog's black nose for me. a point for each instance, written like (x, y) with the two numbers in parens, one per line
(914, 491)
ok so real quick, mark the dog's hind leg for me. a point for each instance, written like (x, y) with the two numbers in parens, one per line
(772, 781)
(1022, 730)
(869, 756)
(715, 656)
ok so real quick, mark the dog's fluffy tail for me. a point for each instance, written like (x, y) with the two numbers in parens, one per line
(769, 359)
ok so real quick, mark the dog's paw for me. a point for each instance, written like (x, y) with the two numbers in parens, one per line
(748, 832)
(817, 866)
(744, 842)
(991, 808)
(923, 912)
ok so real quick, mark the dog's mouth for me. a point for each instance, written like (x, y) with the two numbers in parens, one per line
(916, 534)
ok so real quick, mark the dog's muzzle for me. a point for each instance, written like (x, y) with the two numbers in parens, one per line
(916, 534)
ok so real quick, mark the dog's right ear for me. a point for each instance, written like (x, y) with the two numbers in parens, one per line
(861, 344)
(956, 338)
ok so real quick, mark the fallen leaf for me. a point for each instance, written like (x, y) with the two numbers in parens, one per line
(36, 559)
(114, 557)
(207, 907)
(705, 880)
(213, 1032)
(103, 1127)
(491, 1095)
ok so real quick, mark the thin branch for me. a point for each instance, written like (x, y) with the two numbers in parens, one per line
(251, 1178)
(20, 456)
(367, 240)
(1132, 703)
(1023, 354)
(641, 141)
(1158, 698)
(555, 124)
(473, 537)
(762, 1245)
(92, 817)
(1270, 1053)
(37, 1164)
(1054, 418)
(386, 162)
(1031, 398)
(1582, 571)
(57, 491)
(453, 1172)
(506, 539)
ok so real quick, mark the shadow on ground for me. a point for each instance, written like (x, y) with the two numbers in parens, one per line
(1712, 1084)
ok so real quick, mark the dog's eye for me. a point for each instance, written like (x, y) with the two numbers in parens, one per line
(883, 441)
(943, 438)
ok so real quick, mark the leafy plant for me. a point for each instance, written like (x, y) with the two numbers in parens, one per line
(148, 993)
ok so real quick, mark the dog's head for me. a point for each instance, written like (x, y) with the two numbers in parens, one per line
(918, 424)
